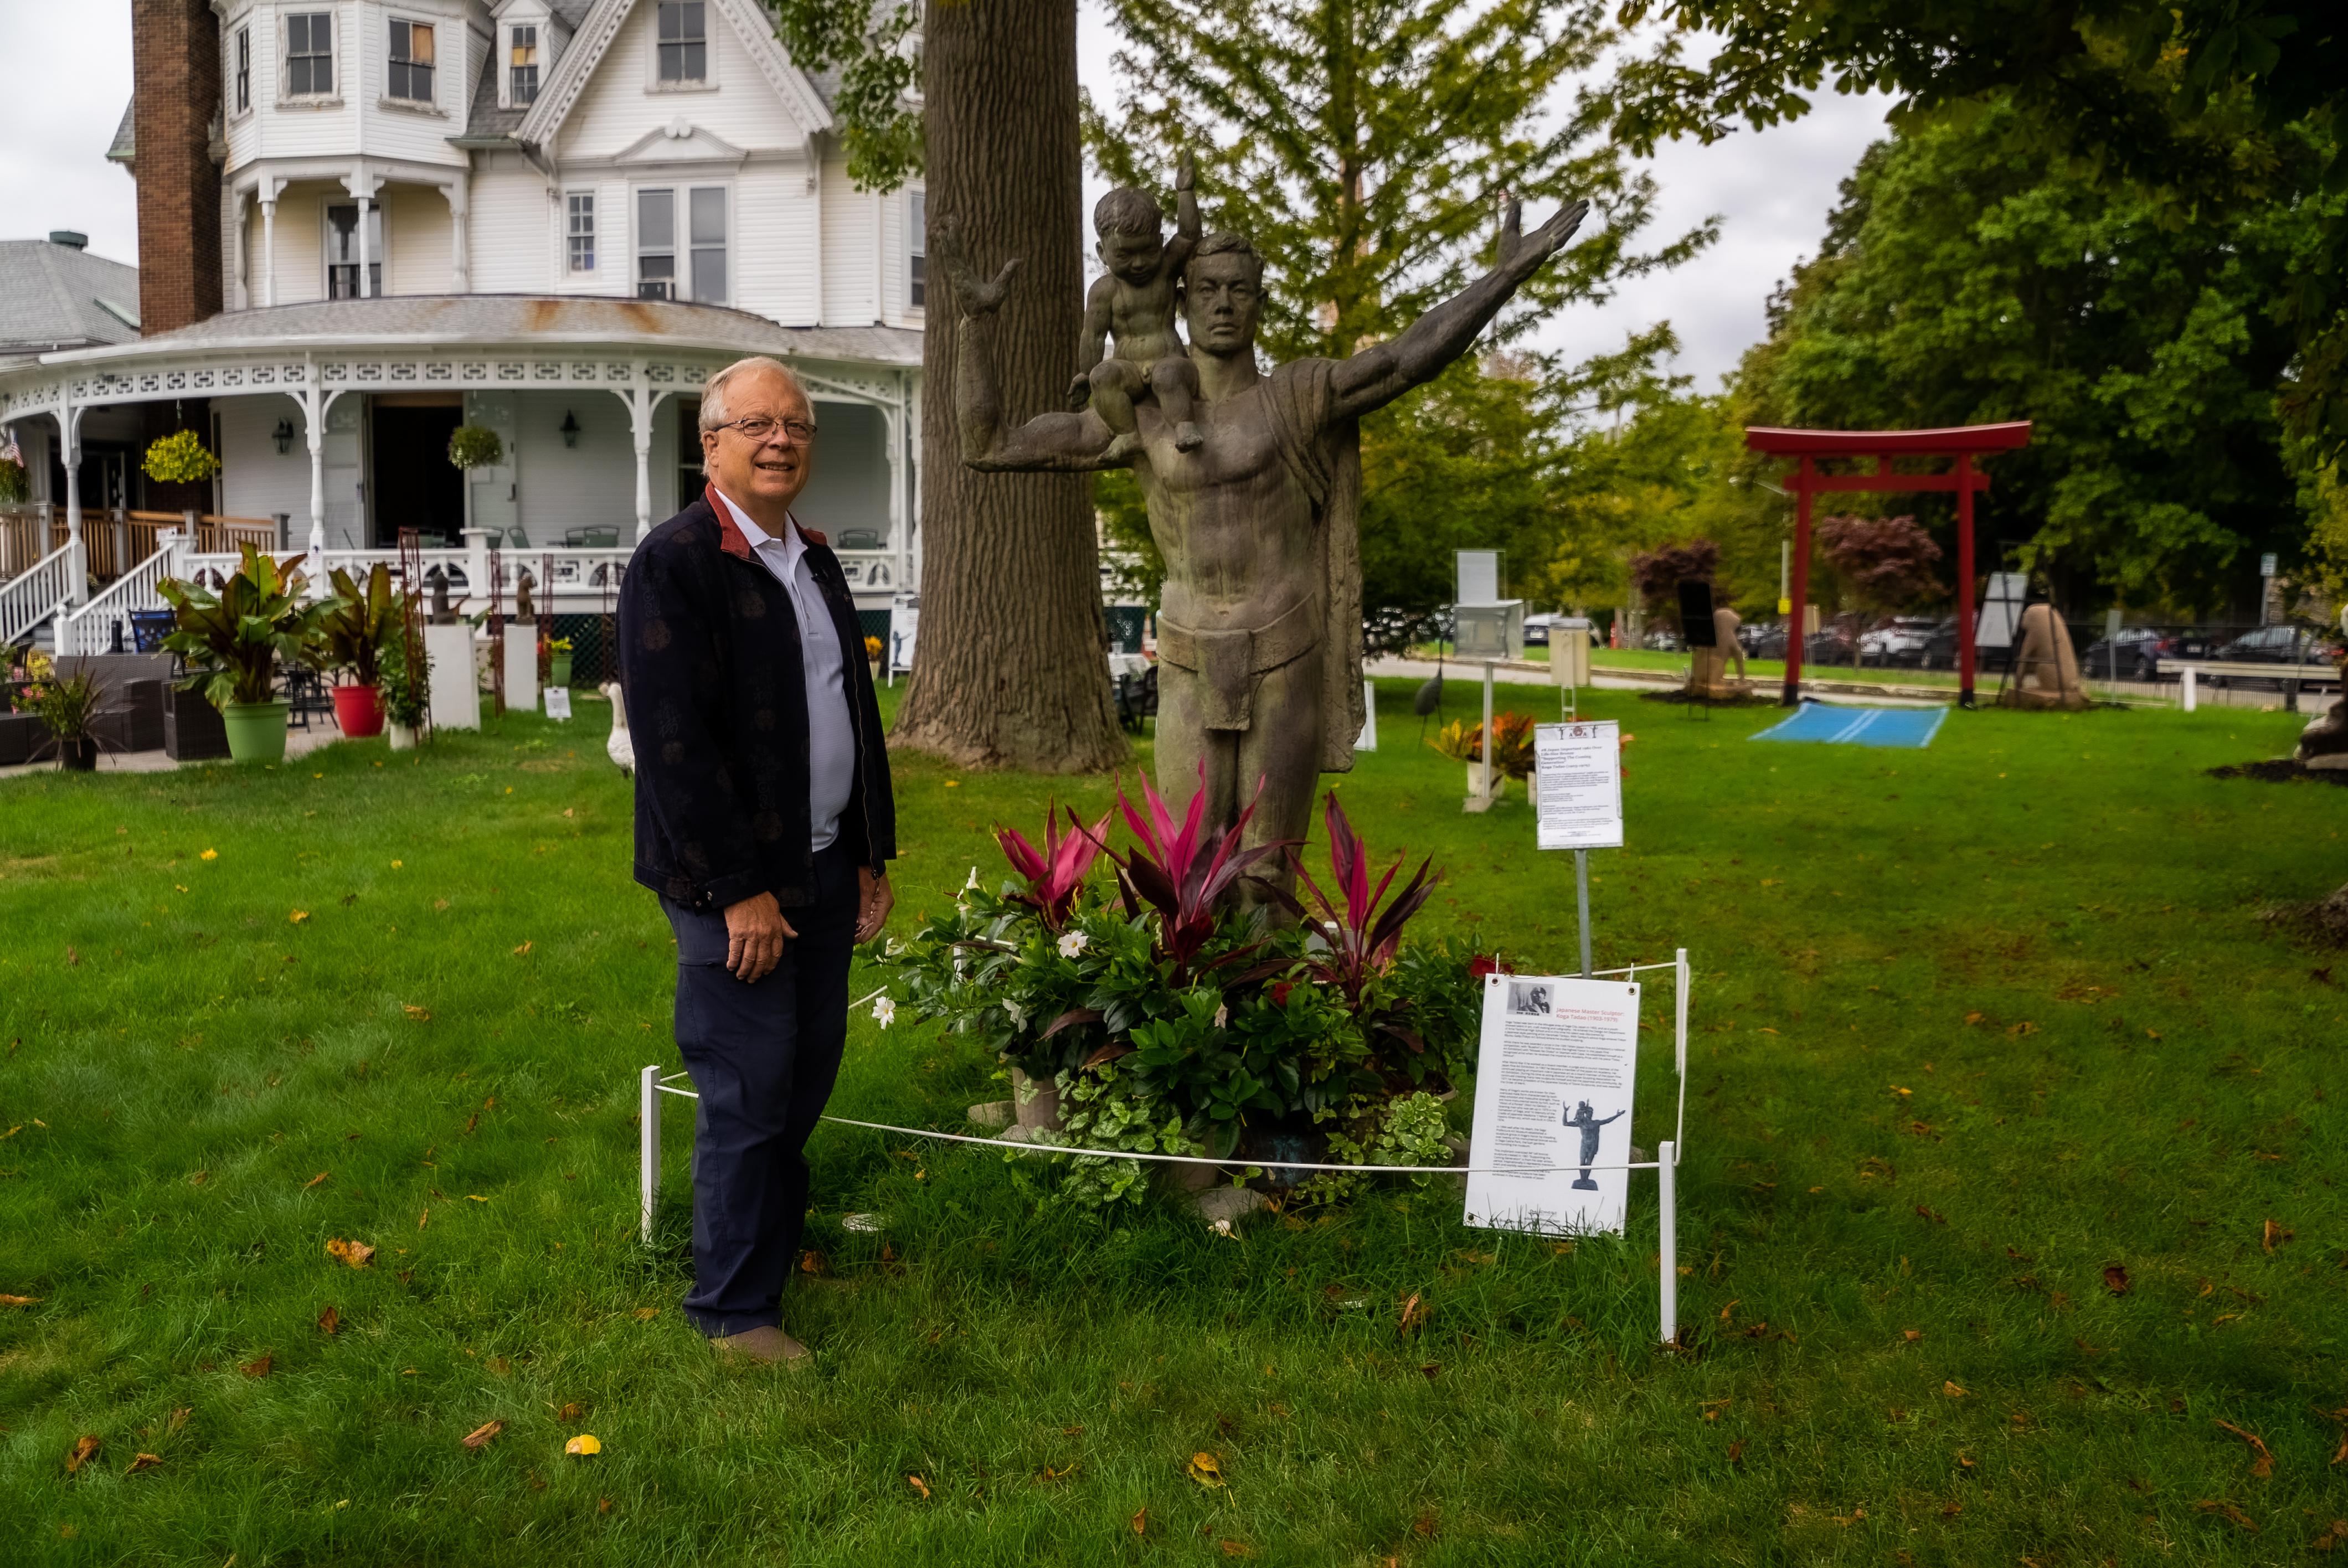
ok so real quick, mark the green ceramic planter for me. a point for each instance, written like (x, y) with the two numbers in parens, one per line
(557, 668)
(256, 731)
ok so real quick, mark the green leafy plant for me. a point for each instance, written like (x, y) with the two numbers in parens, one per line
(474, 447)
(64, 704)
(559, 645)
(358, 622)
(234, 641)
(1512, 743)
(179, 458)
(405, 702)
(16, 484)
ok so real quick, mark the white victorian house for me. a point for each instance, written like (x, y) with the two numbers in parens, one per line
(551, 218)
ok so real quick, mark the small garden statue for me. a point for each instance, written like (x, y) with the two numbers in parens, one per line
(1260, 629)
(2324, 743)
(441, 614)
(524, 610)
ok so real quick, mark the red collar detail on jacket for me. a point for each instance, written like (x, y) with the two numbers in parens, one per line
(730, 538)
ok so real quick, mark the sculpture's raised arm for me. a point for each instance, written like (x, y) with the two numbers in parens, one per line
(1049, 441)
(1377, 376)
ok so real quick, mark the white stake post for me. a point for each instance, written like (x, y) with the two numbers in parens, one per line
(648, 1144)
(1667, 1159)
(2191, 695)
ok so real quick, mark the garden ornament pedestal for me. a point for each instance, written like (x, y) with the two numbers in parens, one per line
(1260, 627)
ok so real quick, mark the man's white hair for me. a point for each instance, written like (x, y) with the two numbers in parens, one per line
(713, 394)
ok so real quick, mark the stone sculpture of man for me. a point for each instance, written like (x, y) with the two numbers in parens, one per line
(1260, 625)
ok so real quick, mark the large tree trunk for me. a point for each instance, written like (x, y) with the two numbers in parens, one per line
(1011, 671)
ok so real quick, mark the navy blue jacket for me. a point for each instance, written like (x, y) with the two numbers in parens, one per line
(716, 696)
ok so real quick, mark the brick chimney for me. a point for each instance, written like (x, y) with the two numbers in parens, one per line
(175, 63)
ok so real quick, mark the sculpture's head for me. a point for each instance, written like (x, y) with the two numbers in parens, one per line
(1129, 225)
(1222, 294)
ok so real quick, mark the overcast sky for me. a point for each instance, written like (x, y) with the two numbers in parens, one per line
(64, 76)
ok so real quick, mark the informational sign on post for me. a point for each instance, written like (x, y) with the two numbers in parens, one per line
(1554, 1075)
(1580, 768)
(557, 702)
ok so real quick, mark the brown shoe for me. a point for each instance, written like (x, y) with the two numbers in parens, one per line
(767, 1344)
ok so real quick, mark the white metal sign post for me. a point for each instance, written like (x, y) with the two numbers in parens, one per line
(1580, 770)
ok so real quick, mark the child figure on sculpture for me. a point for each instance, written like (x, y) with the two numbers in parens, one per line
(1133, 303)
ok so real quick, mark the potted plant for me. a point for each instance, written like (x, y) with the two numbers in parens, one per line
(873, 656)
(558, 662)
(405, 703)
(66, 705)
(1512, 749)
(234, 641)
(472, 446)
(179, 458)
(357, 624)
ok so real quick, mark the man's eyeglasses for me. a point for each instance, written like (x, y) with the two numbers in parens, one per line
(758, 428)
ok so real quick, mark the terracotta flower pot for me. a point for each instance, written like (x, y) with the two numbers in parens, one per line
(359, 710)
(256, 731)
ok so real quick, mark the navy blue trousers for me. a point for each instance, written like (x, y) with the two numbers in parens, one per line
(763, 1057)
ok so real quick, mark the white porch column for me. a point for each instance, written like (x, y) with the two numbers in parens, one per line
(460, 257)
(362, 184)
(313, 419)
(69, 444)
(243, 294)
(641, 403)
(269, 190)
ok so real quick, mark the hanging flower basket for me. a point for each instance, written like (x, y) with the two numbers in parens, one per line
(474, 447)
(179, 458)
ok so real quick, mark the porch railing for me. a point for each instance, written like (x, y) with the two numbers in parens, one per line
(94, 628)
(23, 538)
(29, 598)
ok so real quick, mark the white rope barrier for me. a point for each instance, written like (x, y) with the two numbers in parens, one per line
(652, 1083)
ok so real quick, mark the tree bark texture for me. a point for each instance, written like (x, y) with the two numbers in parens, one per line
(1010, 670)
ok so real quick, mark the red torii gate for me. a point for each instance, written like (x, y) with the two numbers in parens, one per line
(1962, 443)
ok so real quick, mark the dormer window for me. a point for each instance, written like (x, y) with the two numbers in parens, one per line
(310, 54)
(522, 71)
(684, 41)
(411, 62)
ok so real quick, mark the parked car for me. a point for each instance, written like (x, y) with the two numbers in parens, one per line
(2282, 644)
(1901, 640)
(2134, 655)
(1537, 627)
(1763, 638)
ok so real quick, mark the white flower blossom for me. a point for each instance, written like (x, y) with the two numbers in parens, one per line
(1018, 1014)
(1072, 943)
(896, 949)
(972, 885)
(884, 1010)
(1223, 1015)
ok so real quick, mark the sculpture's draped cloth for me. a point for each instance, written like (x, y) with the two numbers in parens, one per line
(1325, 452)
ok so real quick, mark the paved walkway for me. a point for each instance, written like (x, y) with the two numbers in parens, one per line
(298, 742)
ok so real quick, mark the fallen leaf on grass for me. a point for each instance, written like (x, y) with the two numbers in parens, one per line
(179, 1418)
(646, 1314)
(2339, 1455)
(423, 1218)
(1236, 1549)
(475, 1198)
(1206, 1469)
(314, 1180)
(298, 916)
(20, 1300)
(2234, 1515)
(357, 1254)
(1414, 1314)
(1951, 1390)
(83, 1452)
(2115, 1278)
(256, 1368)
(143, 1461)
(1063, 1473)
(1141, 1521)
(1936, 1219)
(812, 1262)
(584, 1444)
(2087, 1350)
(571, 1412)
(523, 951)
(2273, 1232)
(2263, 1465)
(1911, 1335)
(1727, 1312)
(478, 1438)
(421, 1014)
(331, 1321)
(2025, 1027)
(1736, 1451)
(918, 1484)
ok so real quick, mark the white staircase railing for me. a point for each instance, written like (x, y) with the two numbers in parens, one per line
(92, 628)
(27, 601)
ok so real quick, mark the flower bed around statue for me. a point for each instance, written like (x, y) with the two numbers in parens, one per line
(1170, 1020)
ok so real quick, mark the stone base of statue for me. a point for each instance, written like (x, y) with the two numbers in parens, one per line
(1709, 680)
(2324, 743)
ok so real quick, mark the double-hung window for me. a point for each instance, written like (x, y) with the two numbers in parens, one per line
(582, 231)
(310, 54)
(243, 69)
(693, 270)
(684, 41)
(342, 280)
(521, 79)
(917, 269)
(411, 62)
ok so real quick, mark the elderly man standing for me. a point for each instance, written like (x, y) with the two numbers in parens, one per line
(764, 821)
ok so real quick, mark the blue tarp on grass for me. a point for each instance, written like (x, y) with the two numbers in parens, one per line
(1912, 727)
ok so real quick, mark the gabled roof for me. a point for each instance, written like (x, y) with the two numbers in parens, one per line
(485, 124)
(125, 147)
(56, 296)
(601, 29)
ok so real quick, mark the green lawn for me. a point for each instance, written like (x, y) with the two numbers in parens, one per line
(1974, 1027)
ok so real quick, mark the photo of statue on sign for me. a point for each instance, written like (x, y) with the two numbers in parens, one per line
(1553, 1082)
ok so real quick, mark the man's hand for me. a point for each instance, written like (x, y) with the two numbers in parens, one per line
(1080, 392)
(874, 901)
(755, 934)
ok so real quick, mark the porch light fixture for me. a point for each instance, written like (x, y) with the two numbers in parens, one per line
(283, 436)
(570, 429)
